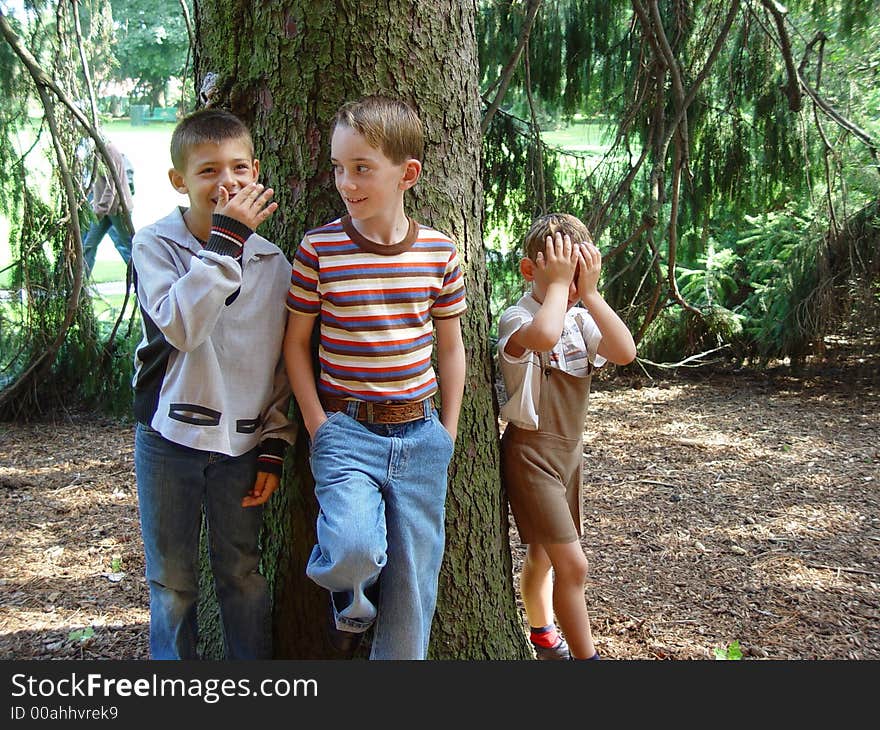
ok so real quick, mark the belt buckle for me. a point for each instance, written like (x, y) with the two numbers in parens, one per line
(369, 410)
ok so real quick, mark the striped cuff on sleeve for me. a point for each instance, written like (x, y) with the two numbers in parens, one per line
(227, 236)
(271, 456)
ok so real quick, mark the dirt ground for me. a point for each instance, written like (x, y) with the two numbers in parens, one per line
(720, 508)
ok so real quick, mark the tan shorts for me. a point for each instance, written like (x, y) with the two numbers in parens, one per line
(543, 476)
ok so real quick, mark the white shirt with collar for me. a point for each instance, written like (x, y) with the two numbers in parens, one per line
(573, 351)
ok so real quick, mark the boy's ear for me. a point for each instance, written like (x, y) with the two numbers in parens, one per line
(527, 268)
(256, 166)
(177, 181)
(411, 172)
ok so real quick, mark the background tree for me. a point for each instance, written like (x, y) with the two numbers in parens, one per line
(300, 62)
(152, 44)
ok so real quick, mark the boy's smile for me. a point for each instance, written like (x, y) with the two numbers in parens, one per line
(209, 166)
(371, 185)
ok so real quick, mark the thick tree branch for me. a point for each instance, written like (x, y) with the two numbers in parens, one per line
(704, 72)
(507, 71)
(842, 121)
(189, 49)
(651, 311)
(623, 186)
(189, 28)
(673, 231)
(792, 89)
(621, 247)
(84, 62)
(826, 108)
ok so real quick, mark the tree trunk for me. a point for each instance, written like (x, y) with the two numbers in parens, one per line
(285, 67)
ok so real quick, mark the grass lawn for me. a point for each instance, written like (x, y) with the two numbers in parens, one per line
(106, 307)
(582, 137)
(105, 271)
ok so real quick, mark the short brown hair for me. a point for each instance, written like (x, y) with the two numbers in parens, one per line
(547, 225)
(390, 125)
(206, 125)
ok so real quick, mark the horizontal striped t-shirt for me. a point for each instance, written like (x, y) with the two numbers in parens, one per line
(377, 303)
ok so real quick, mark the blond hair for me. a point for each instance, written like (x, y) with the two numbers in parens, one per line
(390, 125)
(548, 225)
(207, 125)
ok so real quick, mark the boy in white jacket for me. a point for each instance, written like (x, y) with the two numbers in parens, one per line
(211, 392)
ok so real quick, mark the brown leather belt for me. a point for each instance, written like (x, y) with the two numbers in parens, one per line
(371, 412)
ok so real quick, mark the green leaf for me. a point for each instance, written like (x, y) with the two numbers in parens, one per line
(731, 653)
(734, 652)
(81, 634)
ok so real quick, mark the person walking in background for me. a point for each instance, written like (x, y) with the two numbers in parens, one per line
(107, 205)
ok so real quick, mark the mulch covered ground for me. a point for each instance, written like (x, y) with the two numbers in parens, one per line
(720, 508)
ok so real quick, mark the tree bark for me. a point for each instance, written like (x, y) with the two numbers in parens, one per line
(285, 68)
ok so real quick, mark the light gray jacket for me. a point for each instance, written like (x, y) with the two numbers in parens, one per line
(209, 372)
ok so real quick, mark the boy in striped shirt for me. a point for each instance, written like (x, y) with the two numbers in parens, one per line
(381, 286)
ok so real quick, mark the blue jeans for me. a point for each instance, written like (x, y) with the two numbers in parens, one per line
(173, 483)
(115, 226)
(381, 489)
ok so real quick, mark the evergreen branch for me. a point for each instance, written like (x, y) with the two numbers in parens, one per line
(829, 110)
(507, 71)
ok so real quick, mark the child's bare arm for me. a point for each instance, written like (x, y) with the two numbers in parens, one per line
(250, 205)
(553, 272)
(451, 366)
(617, 343)
(300, 372)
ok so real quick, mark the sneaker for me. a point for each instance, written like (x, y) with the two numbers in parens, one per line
(558, 651)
